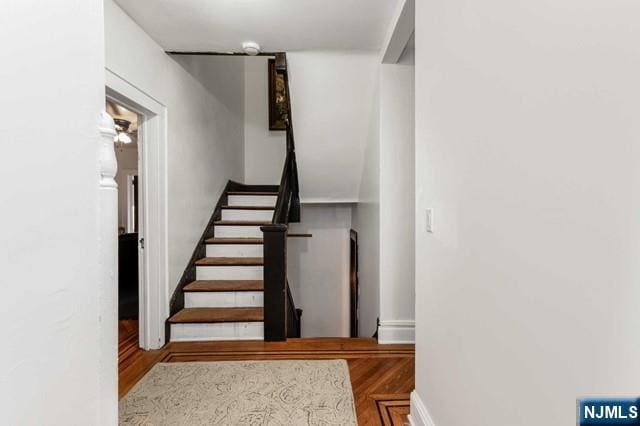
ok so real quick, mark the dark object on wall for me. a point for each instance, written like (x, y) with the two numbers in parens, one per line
(278, 107)
(128, 276)
(353, 283)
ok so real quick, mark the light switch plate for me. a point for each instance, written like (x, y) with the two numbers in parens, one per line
(430, 220)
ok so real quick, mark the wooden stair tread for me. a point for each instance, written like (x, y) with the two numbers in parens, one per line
(230, 261)
(267, 193)
(224, 285)
(241, 222)
(215, 315)
(234, 241)
(231, 207)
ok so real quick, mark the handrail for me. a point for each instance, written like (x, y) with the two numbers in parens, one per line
(281, 318)
(288, 206)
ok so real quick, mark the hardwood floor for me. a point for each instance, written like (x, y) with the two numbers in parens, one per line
(127, 343)
(211, 315)
(393, 409)
(382, 376)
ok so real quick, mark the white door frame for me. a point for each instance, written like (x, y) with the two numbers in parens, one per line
(152, 199)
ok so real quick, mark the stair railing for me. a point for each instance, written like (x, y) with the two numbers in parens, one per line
(281, 318)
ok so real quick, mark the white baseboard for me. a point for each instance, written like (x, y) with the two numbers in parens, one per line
(419, 414)
(397, 331)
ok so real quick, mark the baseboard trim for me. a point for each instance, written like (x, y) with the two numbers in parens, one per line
(419, 414)
(397, 331)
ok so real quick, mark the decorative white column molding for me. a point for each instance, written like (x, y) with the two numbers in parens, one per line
(108, 162)
(108, 267)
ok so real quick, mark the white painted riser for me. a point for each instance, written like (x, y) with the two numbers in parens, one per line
(257, 215)
(226, 299)
(252, 200)
(217, 331)
(229, 272)
(235, 250)
(238, 232)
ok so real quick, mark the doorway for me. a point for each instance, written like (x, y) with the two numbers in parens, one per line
(143, 190)
(126, 144)
(354, 289)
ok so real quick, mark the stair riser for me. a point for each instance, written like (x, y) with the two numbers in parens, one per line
(252, 200)
(234, 250)
(226, 299)
(217, 331)
(238, 232)
(258, 215)
(229, 272)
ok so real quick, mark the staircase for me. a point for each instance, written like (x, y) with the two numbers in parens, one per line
(235, 286)
(225, 301)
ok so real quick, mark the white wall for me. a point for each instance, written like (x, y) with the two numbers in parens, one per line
(335, 115)
(372, 165)
(334, 108)
(52, 83)
(222, 77)
(366, 221)
(265, 149)
(397, 194)
(205, 127)
(318, 269)
(527, 150)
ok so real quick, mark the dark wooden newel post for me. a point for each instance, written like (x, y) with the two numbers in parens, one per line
(275, 282)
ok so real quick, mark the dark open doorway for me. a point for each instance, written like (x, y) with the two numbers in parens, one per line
(354, 290)
(126, 142)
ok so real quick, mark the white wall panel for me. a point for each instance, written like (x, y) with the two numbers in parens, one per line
(52, 84)
(527, 150)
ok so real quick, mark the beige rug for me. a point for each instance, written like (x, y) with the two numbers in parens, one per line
(242, 393)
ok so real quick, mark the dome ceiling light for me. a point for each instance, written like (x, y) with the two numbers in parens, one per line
(251, 48)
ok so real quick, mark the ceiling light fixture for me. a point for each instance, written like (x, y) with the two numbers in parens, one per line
(251, 48)
(122, 137)
(122, 127)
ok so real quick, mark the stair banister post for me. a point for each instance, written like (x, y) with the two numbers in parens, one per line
(275, 282)
(108, 270)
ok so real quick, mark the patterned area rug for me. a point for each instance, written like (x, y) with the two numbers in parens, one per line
(242, 393)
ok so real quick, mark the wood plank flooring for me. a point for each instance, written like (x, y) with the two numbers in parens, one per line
(382, 376)
(252, 193)
(224, 285)
(230, 261)
(211, 315)
(241, 222)
(128, 350)
(228, 240)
